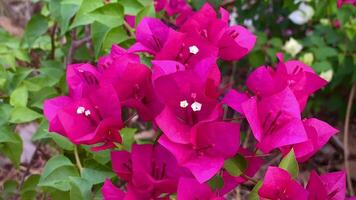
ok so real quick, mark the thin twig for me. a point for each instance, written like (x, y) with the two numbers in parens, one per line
(74, 45)
(249, 178)
(346, 138)
(77, 159)
(53, 41)
(129, 29)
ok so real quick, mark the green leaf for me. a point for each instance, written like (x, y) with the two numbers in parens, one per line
(253, 195)
(114, 36)
(98, 34)
(37, 26)
(42, 131)
(216, 182)
(128, 137)
(131, 7)
(289, 163)
(23, 114)
(10, 145)
(56, 173)
(321, 66)
(19, 96)
(5, 110)
(145, 11)
(80, 189)
(82, 17)
(112, 15)
(62, 142)
(95, 176)
(10, 187)
(236, 165)
(29, 188)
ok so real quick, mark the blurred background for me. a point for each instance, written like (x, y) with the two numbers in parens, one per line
(38, 37)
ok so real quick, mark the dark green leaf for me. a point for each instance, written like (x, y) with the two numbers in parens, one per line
(236, 165)
(95, 176)
(37, 26)
(10, 144)
(216, 182)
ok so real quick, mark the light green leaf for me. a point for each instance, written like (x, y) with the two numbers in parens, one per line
(128, 137)
(23, 114)
(145, 11)
(19, 96)
(56, 173)
(112, 15)
(289, 163)
(80, 189)
(37, 26)
(62, 142)
(98, 33)
(236, 165)
(95, 176)
(10, 144)
(131, 7)
(82, 17)
(114, 36)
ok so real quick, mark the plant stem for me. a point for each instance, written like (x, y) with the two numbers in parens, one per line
(249, 178)
(346, 138)
(129, 29)
(77, 159)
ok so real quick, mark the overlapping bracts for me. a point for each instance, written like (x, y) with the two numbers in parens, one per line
(180, 94)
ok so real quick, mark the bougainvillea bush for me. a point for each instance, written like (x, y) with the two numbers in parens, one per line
(152, 105)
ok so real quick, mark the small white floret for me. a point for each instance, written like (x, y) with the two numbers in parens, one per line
(80, 110)
(183, 104)
(196, 106)
(193, 49)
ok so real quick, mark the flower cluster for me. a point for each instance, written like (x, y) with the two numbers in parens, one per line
(181, 95)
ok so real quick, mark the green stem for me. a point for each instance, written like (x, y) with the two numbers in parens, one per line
(77, 159)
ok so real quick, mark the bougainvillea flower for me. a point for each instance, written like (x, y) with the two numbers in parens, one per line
(234, 99)
(253, 165)
(149, 169)
(318, 132)
(189, 98)
(118, 56)
(329, 186)
(92, 120)
(233, 42)
(190, 189)
(171, 6)
(210, 144)
(278, 184)
(299, 77)
(130, 19)
(186, 49)
(151, 35)
(340, 3)
(82, 79)
(133, 84)
(111, 192)
(275, 120)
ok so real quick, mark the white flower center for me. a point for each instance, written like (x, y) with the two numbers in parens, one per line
(87, 112)
(80, 110)
(196, 106)
(183, 104)
(193, 49)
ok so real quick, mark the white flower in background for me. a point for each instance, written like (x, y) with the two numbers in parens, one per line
(327, 75)
(307, 58)
(233, 16)
(249, 24)
(292, 46)
(302, 15)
